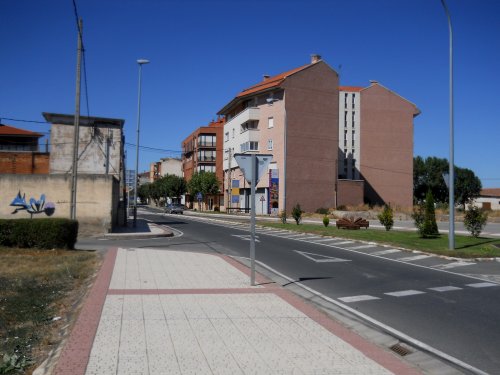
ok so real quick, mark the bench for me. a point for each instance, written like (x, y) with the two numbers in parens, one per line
(351, 223)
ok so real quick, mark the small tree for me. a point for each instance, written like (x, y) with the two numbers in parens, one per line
(474, 220)
(283, 216)
(297, 213)
(326, 221)
(386, 218)
(425, 217)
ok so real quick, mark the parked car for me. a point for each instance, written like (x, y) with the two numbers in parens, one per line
(174, 208)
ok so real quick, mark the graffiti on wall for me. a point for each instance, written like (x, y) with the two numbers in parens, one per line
(34, 206)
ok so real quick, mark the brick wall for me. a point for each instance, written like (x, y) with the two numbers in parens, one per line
(24, 163)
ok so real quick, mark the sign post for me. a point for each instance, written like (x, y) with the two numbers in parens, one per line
(252, 166)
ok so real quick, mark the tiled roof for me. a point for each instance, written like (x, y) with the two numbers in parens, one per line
(493, 192)
(270, 82)
(10, 130)
(350, 88)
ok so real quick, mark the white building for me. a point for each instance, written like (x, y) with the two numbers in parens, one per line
(349, 132)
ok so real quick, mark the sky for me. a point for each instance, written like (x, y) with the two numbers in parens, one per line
(203, 53)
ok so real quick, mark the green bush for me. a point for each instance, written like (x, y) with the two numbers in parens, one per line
(326, 221)
(386, 218)
(323, 211)
(39, 233)
(297, 213)
(342, 208)
(283, 216)
(474, 220)
(425, 217)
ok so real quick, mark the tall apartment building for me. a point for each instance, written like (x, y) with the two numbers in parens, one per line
(293, 116)
(376, 143)
(202, 152)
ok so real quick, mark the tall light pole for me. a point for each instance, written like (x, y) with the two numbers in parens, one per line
(141, 62)
(451, 186)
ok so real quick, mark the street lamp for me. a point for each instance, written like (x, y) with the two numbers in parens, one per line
(451, 186)
(141, 62)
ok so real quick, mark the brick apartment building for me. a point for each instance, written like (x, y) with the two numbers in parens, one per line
(20, 153)
(331, 145)
(202, 151)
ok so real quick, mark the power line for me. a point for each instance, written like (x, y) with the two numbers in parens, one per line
(20, 120)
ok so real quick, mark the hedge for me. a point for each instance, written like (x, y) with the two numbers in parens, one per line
(39, 233)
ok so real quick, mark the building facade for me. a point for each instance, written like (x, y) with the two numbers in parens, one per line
(20, 153)
(294, 117)
(202, 151)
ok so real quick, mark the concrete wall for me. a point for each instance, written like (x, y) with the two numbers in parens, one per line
(387, 146)
(350, 192)
(24, 162)
(99, 149)
(171, 166)
(97, 198)
(312, 118)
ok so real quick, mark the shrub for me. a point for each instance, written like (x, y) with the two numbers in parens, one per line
(283, 216)
(341, 208)
(474, 220)
(216, 209)
(425, 217)
(297, 213)
(39, 233)
(326, 221)
(386, 217)
(322, 211)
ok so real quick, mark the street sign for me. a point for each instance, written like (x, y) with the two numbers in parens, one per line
(244, 161)
(199, 196)
(262, 199)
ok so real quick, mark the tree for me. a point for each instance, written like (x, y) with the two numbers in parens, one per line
(425, 217)
(474, 220)
(386, 218)
(171, 186)
(204, 183)
(467, 186)
(297, 213)
(143, 192)
(428, 175)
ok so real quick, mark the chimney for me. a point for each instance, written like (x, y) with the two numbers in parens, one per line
(373, 82)
(315, 58)
(266, 77)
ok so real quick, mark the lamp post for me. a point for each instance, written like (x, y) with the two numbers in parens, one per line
(451, 186)
(141, 62)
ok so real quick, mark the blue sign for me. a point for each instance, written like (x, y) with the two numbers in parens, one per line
(199, 196)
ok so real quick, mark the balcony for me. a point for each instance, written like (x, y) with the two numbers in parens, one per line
(250, 135)
(249, 114)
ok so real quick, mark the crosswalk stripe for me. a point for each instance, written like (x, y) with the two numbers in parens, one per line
(447, 266)
(383, 252)
(415, 257)
(445, 288)
(357, 298)
(404, 293)
(342, 243)
(482, 285)
(361, 247)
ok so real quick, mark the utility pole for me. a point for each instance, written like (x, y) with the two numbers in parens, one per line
(76, 132)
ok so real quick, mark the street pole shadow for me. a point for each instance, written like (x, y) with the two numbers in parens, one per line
(301, 279)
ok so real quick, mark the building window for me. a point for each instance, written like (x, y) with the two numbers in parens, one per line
(233, 133)
(270, 144)
(270, 122)
(353, 100)
(249, 146)
(227, 136)
(345, 100)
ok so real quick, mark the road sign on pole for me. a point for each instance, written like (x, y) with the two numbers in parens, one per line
(253, 166)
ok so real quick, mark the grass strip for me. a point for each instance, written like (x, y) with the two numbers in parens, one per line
(465, 246)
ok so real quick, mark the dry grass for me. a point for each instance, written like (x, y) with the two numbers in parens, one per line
(37, 286)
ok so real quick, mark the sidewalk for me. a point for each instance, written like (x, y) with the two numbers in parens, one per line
(156, 311)
(142, 229)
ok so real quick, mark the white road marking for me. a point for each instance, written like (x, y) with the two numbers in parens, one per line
(246, 237)
(325, 240)
(404, 293)
(445, 288)
(343, 243)
(383, 252)
(415, 257)
(357, 298)
(447, 266)
(361, 247)
(482, 285)
(321, 258)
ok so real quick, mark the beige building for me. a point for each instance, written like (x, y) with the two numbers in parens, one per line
(293, 116)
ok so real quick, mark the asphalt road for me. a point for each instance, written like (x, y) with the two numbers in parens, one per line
(460, 320)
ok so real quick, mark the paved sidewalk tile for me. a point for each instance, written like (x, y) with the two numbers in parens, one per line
(173, 312)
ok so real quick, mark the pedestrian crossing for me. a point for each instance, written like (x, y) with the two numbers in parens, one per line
(371, 249)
